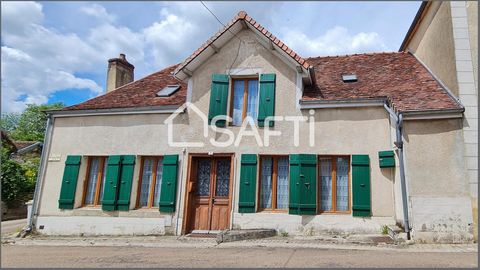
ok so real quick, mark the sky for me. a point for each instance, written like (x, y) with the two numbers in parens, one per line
(58, 51)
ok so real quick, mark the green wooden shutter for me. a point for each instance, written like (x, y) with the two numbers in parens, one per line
(126, 178)
(308, 187)
(361, 185)
(267, 98)
(303, 184)
(218, 98)
(168, 193)
(248, 183)
(69, 182)
(293, 197)
(110, 190)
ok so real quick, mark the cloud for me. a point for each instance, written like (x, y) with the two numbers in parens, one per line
(42, 56)
(335, 41)
(99, 12)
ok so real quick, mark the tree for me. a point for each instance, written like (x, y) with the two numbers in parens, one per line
(9, 121)
(32, 122)
(13, 179)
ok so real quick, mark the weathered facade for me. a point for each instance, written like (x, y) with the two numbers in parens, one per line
(341, 172)
(444, 36)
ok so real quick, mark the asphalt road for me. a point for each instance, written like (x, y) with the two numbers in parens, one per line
(50, 256)
(11, 226)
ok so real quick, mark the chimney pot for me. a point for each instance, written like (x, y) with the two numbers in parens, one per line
(119, 73)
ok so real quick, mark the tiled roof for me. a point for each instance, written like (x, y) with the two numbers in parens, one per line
(397, 76)
(242, 15)
(140, 93)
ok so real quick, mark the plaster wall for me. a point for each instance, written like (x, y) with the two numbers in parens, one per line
(436, 26)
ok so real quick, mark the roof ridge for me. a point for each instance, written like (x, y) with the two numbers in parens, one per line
(356, 54)
(242, 15)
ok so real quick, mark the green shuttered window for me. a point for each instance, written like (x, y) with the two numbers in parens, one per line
(125, 187)
(168, 191)
(267, 99)
(303, 184)
(361, 185)
(248, 183)
(218, 98)
(69, 182)
(110, 190)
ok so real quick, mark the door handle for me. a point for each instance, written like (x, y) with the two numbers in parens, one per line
(247, 183)
(301, 175)
(307, 185)
(362, 185)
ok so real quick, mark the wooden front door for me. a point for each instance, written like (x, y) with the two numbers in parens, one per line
(209, 194)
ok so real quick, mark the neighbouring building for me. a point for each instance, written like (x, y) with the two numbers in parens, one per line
(380, 142)
(444, 36)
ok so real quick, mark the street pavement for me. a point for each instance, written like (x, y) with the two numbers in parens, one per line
(12, 226)
(225, 256)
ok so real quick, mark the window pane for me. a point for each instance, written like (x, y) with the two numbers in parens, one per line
(252, 105)
(238, 87)
(92, 181)
(158, 182)
(266, 183)
(326, 184)
(342, 184)
(203, 174)
(146, 181)
(282, 183)
(223, 178)
(102, 187)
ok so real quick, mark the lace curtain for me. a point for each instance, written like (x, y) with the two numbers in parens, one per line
(92, 181)
(342, 184)
(282, 183)
(146, 181)
(203, 174)
(102, 187)
(238, 88)
(266, 183)
(326, 184)
(252, 105)
(158, 182)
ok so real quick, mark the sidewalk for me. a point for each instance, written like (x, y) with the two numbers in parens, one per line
(313, 242)
(12, 226)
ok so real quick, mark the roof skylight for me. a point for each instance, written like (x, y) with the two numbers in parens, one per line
(349, 78)
(168, 90)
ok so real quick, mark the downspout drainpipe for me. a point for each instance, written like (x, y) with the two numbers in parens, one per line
(41, 172)
(399, 144)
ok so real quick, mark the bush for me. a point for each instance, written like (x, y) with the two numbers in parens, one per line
(15, 183)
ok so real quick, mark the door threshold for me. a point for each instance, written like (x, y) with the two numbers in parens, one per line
(204, 233)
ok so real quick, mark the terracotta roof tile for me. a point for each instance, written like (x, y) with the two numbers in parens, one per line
(396, 76)
(140, 93)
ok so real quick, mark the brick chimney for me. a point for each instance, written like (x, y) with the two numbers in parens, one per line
(120, 72)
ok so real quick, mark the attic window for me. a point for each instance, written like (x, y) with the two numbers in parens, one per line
(168, 90)
(349, 78)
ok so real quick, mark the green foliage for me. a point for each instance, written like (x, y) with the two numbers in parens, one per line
(384, 229)
(30, 124)
(9, 121)
(14, 182)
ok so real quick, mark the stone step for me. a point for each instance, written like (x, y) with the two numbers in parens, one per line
(239, 235)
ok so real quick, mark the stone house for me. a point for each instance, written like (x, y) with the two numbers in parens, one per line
(444, 37)
(246, 133)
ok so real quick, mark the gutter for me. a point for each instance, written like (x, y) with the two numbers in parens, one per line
(115, 111)
(28, 148)
(323, 104)
(41, 172)
(399, 144)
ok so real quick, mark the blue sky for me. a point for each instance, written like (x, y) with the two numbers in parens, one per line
(58, 51)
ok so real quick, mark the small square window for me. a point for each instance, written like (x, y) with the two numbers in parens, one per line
(168, 90)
